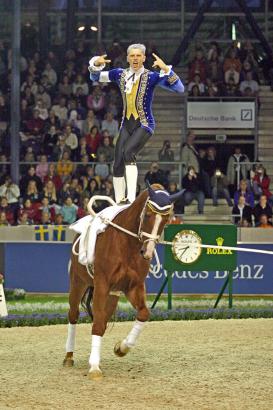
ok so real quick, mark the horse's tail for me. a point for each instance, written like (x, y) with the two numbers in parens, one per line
(86, 301)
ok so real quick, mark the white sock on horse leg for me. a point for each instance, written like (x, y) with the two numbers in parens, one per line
(131, 180)
(70, 341)
(132, 337)
(119, 188)
(94, 359)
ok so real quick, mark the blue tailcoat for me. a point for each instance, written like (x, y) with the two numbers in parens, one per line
(147, 83)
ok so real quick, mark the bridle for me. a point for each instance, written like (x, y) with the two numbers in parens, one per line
(155, 209)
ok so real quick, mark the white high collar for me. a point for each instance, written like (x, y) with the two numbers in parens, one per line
(131, 78)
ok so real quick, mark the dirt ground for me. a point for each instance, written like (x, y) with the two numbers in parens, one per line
(211, 364)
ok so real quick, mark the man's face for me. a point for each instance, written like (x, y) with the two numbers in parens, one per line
(136, 58)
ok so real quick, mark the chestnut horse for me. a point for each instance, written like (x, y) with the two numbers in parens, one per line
(121, 264)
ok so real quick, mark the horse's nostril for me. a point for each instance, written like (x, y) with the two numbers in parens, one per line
(141, 252)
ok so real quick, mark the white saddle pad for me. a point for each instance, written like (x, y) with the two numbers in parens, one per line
(89, 228)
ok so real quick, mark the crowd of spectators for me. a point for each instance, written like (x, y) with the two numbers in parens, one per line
(68, 126)
(213, 73)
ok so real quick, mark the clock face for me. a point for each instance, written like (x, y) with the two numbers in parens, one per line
(186, 246)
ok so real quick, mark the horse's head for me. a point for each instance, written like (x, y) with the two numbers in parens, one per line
(155, 215)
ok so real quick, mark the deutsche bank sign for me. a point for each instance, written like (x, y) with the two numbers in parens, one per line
(220, 114)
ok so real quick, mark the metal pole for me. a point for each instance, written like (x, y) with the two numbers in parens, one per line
(182, 18)
(15, 91)
(170, 290)
(266, 18)
(99, 21)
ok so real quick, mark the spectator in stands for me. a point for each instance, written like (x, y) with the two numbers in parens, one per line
(261, 183)
(43, 111)
(52, 176)
(108, 189)
(3, 219)
(166, 154)
(96, 101)
(60, 149)
(31, 176)
(197, 82)
(50, 141)
(237, 168)
(50, 192)
(42, 168)
(106, 148)
(30, 209)
(220, 184)
(232, 64)
(35, 124)
(101, 168)
(23, 219)
(262, 208)
(214, 64)
(191, 182)
(248, 53)
(92, 188)
(65, 166)
(263, 222)
(156, 175)
(195, 92)
(208, 165)
(246, 68)
(11, 191)
(45, 218)
(93, 140)
(89, 122)
(198, 64)
(189, 154)
(245, 192)
(60, 110)
(59, 219)
(80, 82)
(82, 150)
(50, 73)
(71, 139)
(52, 121)
(179, 204)
(46, 207)
(65, 87)
(5, 207)
(69, 211)
(110, 124)
(243, 211)
(249, 83)
(32, 192)
(43, 96)
(231, 89)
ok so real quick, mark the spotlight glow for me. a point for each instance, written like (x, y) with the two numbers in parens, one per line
(94, 28)
(81, 28)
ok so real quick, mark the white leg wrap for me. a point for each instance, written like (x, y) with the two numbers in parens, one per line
(119, 187)
(94, 359)
(132, 337)
(131, 179)
(70, 341)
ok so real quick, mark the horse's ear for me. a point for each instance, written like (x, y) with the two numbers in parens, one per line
(150, 189)
(176, 196)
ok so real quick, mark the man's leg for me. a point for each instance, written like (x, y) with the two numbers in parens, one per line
(119, 166)
(214, 196)
(133, 145)
(200, 196)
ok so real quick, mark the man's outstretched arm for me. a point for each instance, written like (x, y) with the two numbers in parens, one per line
(167, 78)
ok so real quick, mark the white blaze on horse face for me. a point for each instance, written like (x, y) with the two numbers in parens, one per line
(151, 243)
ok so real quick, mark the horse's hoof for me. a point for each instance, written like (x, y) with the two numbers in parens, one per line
(68, 362)
(119, 352)
(95, 374)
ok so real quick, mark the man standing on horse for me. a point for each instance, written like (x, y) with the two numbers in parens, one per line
(137, 86)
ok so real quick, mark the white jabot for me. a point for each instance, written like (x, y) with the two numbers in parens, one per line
(131, 78)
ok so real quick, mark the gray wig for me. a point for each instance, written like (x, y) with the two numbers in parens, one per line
(139, 46)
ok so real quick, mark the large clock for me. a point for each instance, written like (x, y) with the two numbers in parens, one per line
(186, 246)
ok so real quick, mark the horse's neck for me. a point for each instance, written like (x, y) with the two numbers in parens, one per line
(130, 217)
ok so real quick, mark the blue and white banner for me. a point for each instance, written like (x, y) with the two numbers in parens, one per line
(42, 267)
